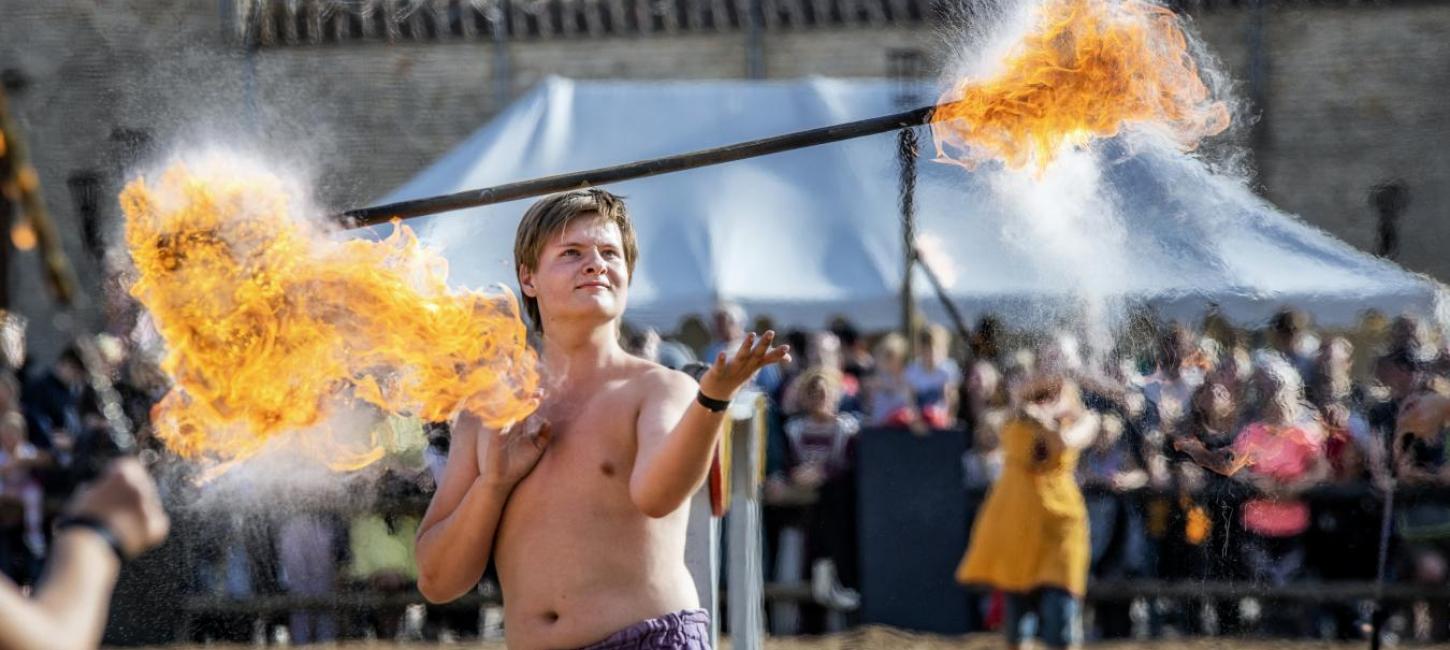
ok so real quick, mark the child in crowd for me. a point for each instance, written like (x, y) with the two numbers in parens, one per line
(889, 397)
(934, 377)
(821, 441)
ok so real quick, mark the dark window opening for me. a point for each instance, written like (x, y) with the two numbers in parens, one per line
(85, 194)
(1389, 201)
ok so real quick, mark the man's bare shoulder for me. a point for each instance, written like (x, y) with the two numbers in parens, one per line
(653, 381)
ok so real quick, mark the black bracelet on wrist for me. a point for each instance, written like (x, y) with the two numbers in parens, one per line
(711, 404)
(96, 526)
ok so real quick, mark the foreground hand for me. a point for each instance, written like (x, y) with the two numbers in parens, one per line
(727, 376)
(125, 499)
(506, 457)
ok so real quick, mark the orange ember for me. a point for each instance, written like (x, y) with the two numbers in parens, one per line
(22, 235)
(273, 325)
(1084, 70)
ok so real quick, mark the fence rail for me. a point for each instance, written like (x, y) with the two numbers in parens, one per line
(196, 607)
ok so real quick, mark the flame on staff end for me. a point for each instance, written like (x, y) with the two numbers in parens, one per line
(1084, 70)
(273, 325)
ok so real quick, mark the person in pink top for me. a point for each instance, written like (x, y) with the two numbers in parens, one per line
(1287, 457)
(1280, 453)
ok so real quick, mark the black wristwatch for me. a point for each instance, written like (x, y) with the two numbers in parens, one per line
(96, 526)
(711, 404)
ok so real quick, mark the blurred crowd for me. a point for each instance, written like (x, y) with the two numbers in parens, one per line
(1231, 455)
(54, 434)
(1256, 457)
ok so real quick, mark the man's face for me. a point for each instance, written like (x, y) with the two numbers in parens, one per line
(581, 274)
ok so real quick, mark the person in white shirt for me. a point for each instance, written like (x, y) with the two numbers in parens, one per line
(934, 377)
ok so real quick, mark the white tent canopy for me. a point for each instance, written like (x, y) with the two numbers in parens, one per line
(810, 234)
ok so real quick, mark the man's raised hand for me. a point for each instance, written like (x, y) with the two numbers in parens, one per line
(726, 376)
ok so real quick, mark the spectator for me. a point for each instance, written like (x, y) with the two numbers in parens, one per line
(820, 436)
(822, 352)
(984, 392)
(856, 359)
(9, 391)
(1422, 457)
(52, 401)
(890, 400)
(1212, 421)
(985, 412)
(643, 343)
(142, 385)
(1280, 454)
(23, 499)
(1109, 467)
(1030, 539)
(821, 445)
(381, 550)
(934, 377)
(1409, 336)
(1207, 508)
(984, 343)
(728, 328)
(380, 546)
(307, 549)
(1176, 374)
(1344, 540)
(1348, 443)
(1330, 379)
(1399, 375)
(1290, 337)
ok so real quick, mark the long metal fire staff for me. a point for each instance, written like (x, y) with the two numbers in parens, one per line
(714, 156)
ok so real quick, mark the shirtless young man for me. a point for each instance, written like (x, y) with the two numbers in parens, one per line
(585, 516)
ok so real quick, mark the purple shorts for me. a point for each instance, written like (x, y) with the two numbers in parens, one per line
(687, 630)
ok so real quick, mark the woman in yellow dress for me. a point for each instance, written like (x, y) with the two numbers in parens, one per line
(1030, 539)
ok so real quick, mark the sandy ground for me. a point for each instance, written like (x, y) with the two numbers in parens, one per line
(873, 638)
(879, 637)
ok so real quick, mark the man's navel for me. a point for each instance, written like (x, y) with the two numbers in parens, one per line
(607, 468)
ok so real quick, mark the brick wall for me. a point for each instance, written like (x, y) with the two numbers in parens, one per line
(1351, 96)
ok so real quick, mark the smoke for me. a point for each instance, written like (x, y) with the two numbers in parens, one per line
(1064, 223)
(1068, 220)
(293, 467)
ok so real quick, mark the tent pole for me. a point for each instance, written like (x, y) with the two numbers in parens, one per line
(1379, 612)
(941, 294)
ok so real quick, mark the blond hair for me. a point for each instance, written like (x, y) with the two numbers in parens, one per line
(934, 336)
(893, 344)
(549, 216)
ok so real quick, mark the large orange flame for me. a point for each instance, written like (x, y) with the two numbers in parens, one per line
(1084, 70)
(275, 325)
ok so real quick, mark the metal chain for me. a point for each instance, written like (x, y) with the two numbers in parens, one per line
(906, 152)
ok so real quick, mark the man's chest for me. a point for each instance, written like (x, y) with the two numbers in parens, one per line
(593, 442)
